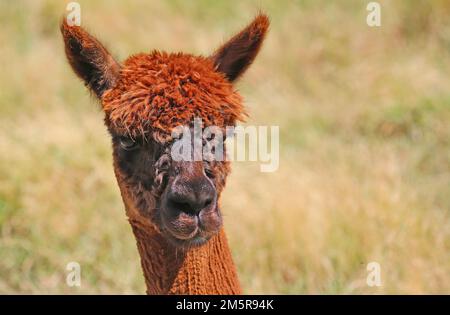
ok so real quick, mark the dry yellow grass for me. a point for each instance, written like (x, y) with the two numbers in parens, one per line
(365, 154)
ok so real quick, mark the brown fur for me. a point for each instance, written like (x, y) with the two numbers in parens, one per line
(143, 99)
(89, 59)
(208, 269)
(238, 53)
(160, 91)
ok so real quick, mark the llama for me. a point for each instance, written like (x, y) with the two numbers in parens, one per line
(172, 206)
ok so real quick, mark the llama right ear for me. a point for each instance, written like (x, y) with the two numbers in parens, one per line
(89, 59)
(238, 53)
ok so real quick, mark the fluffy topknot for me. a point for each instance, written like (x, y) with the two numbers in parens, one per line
(159, 91)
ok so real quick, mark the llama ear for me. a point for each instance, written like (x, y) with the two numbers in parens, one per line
(236, 55)
(89, 59)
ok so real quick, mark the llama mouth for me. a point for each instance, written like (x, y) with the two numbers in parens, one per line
(198, 237)
(187, 230)
(198, 240)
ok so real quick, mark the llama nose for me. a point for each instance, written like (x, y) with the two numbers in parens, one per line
(191, 197)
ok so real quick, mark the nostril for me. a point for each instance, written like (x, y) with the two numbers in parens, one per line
(182, 207)
(188, 204)
(190, 197)
(207, 203)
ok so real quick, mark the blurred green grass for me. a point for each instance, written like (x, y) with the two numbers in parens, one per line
(365, 155)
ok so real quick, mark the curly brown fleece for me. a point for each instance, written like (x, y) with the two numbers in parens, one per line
(149, 95)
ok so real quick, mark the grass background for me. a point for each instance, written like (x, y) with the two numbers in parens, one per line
(365, 155)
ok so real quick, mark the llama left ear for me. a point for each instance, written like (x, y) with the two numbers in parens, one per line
(236, 55)
(89, 59)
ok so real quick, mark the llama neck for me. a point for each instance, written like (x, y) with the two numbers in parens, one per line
(208, 269)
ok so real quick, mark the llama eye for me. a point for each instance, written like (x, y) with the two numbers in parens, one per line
(163, 163)
(209, 173)
(128, 144)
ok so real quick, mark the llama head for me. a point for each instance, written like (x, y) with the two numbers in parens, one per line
(144, 99)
